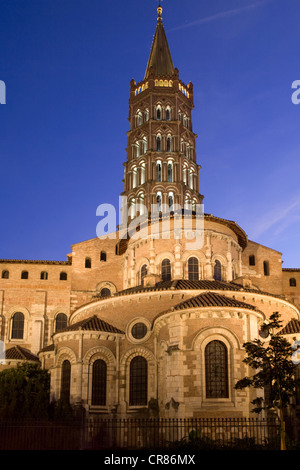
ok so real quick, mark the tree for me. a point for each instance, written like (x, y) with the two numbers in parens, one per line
(24, 392)
(275, 368)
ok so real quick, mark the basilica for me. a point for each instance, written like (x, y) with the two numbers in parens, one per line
(152, 320)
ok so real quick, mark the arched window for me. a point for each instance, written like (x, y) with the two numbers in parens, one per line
(216, 370)
(65, 381)
(138, 381)
(103, 256)
(105, 292)
(99, 383)
(169, 144)
(44, 275)
(158, 170)
(217, 271)
(88, 262)
(158, 143)
(266, 268)
(166, 270)
(170, 172)
(251, 260)
(168, 114)
(24, 275)
(61, 322)
(171, 200)
(144, 272)
(293, 282)
(5, 274)
(193, 269)
(63, 276)
(158, 200)
(158, 113)
(17, 329)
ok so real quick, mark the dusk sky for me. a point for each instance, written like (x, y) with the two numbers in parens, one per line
(67, 66)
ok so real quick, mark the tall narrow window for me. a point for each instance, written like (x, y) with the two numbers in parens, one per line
(5, 274)
(169, 144)
(171, 200)
(166, 270)
(99, 383)
(170, 172)
(144, 271)
(17, 330)
(158, 201)
(61, 322)
(158, 113)
(65, 381)
(88, 262)
(168, 114)
(251, 260)
(216, 370)
(217, 271)
(158, 171)
(138, 381)
(266, 268)
(158, 143)
(103, 256)
(193, 269)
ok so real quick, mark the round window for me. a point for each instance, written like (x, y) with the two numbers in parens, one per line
(139, 330)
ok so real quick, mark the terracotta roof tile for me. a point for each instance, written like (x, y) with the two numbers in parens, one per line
(292, 327)
(19, 353)
(92, 324)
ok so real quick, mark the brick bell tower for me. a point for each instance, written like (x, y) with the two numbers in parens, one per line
(161, 167)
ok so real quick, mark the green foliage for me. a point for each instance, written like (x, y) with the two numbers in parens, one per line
(274, 368)
(24, 392)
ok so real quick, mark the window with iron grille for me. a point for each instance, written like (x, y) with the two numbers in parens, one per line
(99, 383)
(216, 370)
(166, 270)
(61, 322)
(17, 331)
(65, 381)
(138, 381)
(193, 269)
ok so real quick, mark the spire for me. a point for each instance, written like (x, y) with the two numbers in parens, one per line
(160, 60)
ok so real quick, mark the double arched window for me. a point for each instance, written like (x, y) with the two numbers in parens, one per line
(216, 370)
(138, 386)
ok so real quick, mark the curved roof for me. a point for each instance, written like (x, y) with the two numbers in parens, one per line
(93, 323)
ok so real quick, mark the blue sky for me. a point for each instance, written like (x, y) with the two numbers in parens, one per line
(67, 65)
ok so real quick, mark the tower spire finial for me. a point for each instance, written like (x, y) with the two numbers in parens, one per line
(159, 10)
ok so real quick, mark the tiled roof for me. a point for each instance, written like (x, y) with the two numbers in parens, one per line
(291, 269)
(28, 261)
(19, 353)
(92, 324)
(211, 299)
(48, 348)
(292, 327)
